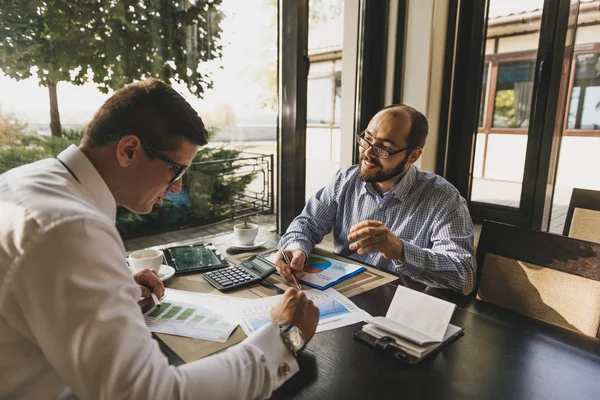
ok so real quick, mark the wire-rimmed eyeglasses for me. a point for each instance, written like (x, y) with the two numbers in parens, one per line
(379, 151)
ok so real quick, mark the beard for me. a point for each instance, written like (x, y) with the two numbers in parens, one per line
(380, 174)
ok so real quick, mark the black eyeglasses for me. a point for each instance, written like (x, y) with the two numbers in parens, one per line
(378, 150)
(179, 169)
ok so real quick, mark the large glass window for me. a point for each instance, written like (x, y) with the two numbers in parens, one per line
(512, 105)
(222, 57)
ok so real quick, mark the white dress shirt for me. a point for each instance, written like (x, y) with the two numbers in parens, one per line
(69, 318)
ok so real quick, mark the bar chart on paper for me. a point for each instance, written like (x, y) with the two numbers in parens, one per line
(335, 311)
(188, 319)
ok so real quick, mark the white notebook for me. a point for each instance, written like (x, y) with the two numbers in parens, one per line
(419, 323)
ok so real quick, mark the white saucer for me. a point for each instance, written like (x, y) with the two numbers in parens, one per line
(233, 243)
(165, 272)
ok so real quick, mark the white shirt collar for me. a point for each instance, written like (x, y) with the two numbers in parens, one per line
(90, 179)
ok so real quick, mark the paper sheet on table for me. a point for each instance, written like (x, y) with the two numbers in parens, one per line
(336, 311)
(196, 315)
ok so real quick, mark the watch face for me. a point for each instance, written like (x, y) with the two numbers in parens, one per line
(296, 338)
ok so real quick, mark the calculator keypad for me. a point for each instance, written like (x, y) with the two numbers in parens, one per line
(229, 277)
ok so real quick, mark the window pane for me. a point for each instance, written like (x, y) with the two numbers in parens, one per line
(584, 112)
(318, 109)
(512, 105)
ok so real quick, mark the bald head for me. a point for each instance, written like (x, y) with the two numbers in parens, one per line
(418, 126)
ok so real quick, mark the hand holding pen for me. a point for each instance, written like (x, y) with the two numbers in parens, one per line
(288, 262)
(291, 268)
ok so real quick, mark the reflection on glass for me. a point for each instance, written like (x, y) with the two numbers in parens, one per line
(584, 112)
(320, 100)
(483, 93)
(337, 117)
(324, 98)
(513, 94)
(580, 145)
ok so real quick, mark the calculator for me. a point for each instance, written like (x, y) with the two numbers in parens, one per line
(253, 270)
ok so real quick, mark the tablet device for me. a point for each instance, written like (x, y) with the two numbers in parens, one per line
(194, 258)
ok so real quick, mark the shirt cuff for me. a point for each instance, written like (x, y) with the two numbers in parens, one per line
(280, 361)
(296, 245)
(412, 259)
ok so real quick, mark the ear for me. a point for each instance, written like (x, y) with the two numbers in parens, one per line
(414, 155)
(128, 150)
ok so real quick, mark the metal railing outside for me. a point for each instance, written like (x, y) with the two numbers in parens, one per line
(212, 191)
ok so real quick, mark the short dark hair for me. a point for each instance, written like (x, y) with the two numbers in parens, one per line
(151, 110)
(418, 124)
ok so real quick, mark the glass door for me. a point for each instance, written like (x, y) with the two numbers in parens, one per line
(528, 51)
(579, 163)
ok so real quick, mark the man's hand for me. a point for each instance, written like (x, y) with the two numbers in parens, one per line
(294, 308)
(373, 236)
(297, 260)
(149, 282)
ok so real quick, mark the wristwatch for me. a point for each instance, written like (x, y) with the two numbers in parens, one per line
(293, 338)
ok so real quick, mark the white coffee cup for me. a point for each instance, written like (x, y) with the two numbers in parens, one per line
(245, 235)
(147, 258)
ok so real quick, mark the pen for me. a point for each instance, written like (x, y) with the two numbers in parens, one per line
(155, 299)
(288, 262)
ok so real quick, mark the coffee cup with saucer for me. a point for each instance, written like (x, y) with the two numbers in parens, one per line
(151, 259)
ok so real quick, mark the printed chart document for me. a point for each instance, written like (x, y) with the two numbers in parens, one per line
(195, 315)
(323, 272)
(336, 311)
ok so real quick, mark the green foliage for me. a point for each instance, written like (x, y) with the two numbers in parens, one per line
(18, 146)
(320, 12)
(109, 42)
(213, 184)
(504, 111)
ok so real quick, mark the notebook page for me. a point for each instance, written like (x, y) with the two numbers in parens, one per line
(421, 312)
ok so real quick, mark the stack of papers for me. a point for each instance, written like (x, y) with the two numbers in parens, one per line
(214, 317)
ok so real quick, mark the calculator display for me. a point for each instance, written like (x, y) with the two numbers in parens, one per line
(258, 265)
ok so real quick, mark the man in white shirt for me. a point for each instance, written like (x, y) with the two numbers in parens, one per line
(70, 322)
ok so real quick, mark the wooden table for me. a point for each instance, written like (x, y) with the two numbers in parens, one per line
(502, 355)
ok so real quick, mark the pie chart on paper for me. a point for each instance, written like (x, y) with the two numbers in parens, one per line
(315, 265)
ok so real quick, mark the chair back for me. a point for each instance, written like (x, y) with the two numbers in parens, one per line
(549, 277)
(583, 217)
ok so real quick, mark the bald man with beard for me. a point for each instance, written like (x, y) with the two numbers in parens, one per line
(388, 213)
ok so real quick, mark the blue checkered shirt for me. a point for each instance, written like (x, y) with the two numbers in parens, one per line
(424, 210)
